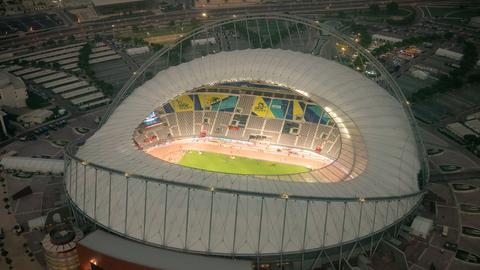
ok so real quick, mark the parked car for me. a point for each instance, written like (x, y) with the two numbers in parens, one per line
(61, 123)
(450, 246)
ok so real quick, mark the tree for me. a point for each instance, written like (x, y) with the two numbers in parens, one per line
(392, 8)
(474, 78)
(469, 59)
(470, 139)
(374, 9)
(42, 64)
(148, 75)
(51, 42)
(35, 101)
(157, 47)
(195, 22)
(365, 37)
(448, 35)
(358, 63)
(171, 23)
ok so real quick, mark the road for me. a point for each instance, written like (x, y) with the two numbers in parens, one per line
(13, 243)
(132, 65)
(97, 27)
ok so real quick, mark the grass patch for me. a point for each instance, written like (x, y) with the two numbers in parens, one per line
(239, 165)
(82, 130)
(450, 168)
(23, 174)
(60, 143)
(152, 32)
(434, 152)
(463, 187)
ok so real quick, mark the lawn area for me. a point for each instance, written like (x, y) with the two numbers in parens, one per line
(239, 165)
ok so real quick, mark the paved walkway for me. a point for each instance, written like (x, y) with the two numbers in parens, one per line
(13, 243)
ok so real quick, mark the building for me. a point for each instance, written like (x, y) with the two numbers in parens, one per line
(223, 3)
(107, 251)
(60, 246)
(284, 104)
(203, 41)
(475, 21)
(35, 5)
(385, 38)
(118, 6)
(449, 54)
(29, 164)
(12, 7)
(13, 92)
(34, 117)
(421, 227)
(137, 50)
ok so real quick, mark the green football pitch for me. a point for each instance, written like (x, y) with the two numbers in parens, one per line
(226, 164)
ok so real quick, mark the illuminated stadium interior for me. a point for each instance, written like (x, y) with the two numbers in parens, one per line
(242, 127)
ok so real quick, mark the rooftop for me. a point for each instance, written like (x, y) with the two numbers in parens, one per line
(9, 80)
(153, 257)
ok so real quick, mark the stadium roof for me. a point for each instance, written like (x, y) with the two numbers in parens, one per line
(187, 209)
(376, 116)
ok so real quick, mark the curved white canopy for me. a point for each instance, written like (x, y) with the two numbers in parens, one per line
(217, 221)
(392, 163)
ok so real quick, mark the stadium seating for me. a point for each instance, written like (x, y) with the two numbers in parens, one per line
(294, 123)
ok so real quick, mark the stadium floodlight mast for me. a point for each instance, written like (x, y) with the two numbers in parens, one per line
(269, 219)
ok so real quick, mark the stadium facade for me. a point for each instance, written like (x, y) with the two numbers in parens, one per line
(295, 221)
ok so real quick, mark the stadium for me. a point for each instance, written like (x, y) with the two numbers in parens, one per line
(270, 152)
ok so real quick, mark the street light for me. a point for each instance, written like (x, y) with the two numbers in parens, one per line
(204, 14)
